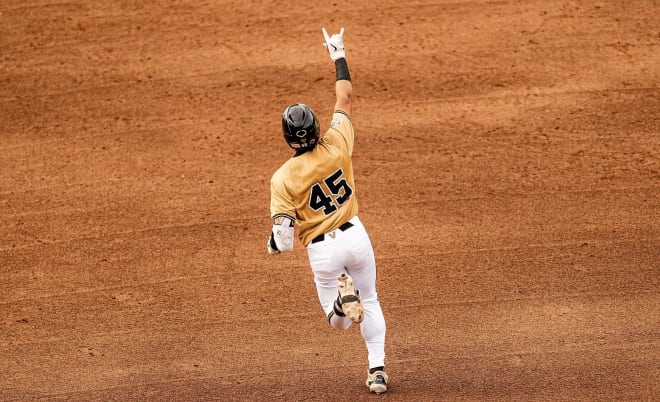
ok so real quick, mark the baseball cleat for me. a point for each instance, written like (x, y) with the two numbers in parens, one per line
(377, 382)
(349, 299)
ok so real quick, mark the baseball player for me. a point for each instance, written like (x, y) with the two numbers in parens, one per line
(316, 190)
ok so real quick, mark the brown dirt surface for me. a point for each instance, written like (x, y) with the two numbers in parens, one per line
(508, 171)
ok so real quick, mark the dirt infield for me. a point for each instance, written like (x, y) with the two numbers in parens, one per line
(508, 172)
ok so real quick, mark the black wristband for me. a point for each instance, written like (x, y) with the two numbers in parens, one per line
(342, 70)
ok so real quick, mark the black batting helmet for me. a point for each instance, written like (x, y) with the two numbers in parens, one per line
(300, 127)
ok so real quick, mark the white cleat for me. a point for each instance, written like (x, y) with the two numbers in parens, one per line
(377, 382)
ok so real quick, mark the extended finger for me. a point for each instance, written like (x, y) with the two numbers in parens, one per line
(341, 32)
(325, 35)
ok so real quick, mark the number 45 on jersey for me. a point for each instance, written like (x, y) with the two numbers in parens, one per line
(336, 192)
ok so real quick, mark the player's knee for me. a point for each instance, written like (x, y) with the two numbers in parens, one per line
(368, 296)
(338, 322)
(342, 323)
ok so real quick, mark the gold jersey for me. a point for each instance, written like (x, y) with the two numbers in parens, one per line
(317, 188)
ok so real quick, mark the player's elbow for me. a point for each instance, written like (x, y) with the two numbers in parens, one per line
(345, 98)
(344, 92)
(344, 102)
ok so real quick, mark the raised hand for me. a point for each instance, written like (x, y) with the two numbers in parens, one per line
(335, 44)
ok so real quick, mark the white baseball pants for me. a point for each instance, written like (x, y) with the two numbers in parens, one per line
(350, 252)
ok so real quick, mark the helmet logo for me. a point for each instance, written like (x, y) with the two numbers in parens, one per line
(301, 133)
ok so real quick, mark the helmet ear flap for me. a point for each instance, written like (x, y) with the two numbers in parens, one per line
(300, 127)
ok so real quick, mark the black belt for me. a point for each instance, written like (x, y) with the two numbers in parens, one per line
(343, 228)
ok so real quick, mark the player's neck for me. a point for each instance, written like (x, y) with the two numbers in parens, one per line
(300, 152)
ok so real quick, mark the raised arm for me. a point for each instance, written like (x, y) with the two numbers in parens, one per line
(343, 86)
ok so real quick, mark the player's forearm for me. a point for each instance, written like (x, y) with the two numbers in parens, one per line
(344, 90)
(281, 236)
(343, 86)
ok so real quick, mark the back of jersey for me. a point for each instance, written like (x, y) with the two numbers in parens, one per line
(318, 186)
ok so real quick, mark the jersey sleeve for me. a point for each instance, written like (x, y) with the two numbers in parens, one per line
(341, 132)
(281, 202)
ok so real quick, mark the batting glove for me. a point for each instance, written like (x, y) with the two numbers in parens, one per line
(269, 245)
(335, 44)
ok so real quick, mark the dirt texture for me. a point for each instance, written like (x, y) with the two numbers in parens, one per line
(508, 172)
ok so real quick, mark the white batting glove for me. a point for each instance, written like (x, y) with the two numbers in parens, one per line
(335, 44)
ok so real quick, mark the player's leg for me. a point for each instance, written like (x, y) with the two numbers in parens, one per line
(327, 267)
(360, 263)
